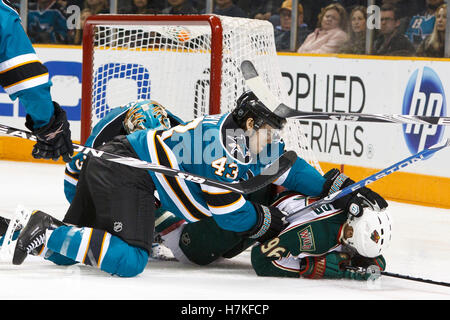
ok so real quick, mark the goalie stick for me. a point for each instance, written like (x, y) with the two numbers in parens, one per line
(271, 173)
(422, 155)
(257, 85)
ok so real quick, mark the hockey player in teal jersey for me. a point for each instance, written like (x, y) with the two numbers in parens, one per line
(23, 76)
(115, 202)
(136, 115)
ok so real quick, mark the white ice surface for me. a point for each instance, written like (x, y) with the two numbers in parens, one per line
(420, 248)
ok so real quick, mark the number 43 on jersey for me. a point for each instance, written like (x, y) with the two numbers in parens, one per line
(221, 165)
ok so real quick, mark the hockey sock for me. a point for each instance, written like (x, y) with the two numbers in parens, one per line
(172, 240)
(99, 249)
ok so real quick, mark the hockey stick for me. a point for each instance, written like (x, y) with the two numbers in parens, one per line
(375, 272)
(257, 85)
(271, 173)
(422, 155)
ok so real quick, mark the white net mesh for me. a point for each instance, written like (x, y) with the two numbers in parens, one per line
(170, 63)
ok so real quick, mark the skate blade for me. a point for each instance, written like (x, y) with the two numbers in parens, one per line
(20, 219)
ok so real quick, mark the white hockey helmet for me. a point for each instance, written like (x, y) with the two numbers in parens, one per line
(372, 232)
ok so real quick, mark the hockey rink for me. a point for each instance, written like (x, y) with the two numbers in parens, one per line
(420, 248)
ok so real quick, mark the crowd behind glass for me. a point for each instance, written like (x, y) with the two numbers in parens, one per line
(406, 27)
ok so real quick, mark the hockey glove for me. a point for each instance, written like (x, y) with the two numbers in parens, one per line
(329, 266)
(269, 224)
(53, 139)
(355, 201)
(364, 262)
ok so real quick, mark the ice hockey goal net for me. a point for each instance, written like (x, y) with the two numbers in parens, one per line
(188, 63)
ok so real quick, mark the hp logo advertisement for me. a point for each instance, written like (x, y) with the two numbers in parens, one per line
(424, 95)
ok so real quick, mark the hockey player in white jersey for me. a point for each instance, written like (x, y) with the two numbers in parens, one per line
(114, 203)
(23, 76)
(324, 243)
(319, 232)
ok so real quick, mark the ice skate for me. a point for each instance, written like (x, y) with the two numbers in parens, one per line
(33, 236)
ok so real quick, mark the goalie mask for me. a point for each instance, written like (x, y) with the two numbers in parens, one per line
(372, 233)
(145, 114)
(249, 106)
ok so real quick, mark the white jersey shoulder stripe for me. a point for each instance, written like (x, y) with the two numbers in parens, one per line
(213, 190)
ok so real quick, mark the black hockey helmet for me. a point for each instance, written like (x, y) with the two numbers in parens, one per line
(249, 106)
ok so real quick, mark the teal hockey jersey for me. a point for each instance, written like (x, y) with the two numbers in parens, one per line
(110, 126)
(214, 146)
(22, 75)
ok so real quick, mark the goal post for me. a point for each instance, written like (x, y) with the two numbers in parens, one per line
(188, 63)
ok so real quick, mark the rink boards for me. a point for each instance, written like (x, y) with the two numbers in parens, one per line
(319, 83)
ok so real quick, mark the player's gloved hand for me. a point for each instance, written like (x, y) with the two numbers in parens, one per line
(269, 224)
(355, 201)
(364, 262)
(329, 266)
(53, 139)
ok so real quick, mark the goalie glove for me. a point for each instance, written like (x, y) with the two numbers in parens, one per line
(53, 139)
(355, 201)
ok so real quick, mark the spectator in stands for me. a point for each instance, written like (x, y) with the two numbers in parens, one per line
(179, 7)
(143, 7)
(330, 33)
(275, 16)
(405, 10)
(265, 10)
(96, 6)
(434, 44)
(356, 44)
(78, 37)
(390, 41)
(199, 5)
(282, 32)
(312, 9)
(422, 24)
(228, 8)
(46, 22)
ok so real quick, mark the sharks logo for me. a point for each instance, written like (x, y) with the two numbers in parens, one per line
(237, 146)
